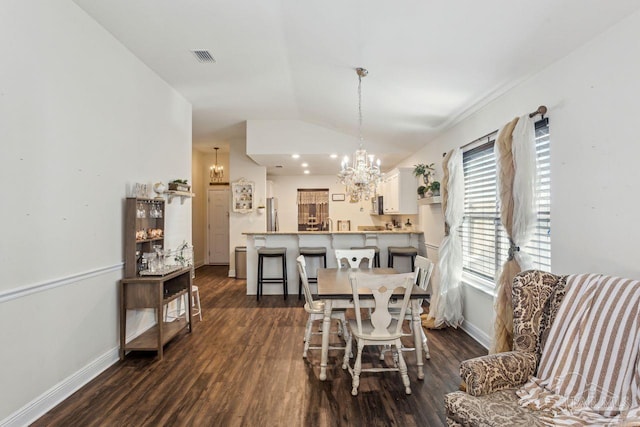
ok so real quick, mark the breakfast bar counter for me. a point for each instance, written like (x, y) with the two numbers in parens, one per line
(331, 240)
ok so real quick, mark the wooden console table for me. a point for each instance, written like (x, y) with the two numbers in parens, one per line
(154, 292)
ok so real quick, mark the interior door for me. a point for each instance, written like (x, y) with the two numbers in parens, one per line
(218, 226)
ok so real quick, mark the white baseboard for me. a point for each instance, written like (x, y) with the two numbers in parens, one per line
(477, 334)
(232, 273)
(56, 394)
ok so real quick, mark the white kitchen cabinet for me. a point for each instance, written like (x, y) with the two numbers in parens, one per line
(399, 190)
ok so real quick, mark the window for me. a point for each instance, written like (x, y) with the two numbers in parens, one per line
(313, 209)
(484, 241)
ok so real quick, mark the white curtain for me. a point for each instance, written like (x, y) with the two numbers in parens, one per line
(516, 172)
(524, 189)
(447, 299)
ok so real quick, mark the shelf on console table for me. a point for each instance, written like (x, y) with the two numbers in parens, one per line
(154, 292)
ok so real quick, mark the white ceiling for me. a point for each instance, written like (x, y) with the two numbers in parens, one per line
(430, 62)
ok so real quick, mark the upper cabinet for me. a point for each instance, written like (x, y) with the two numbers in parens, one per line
(399, 191)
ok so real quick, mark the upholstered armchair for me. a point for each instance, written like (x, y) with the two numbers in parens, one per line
(491, 381)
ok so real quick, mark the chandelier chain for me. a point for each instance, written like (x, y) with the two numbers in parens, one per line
(360, 108)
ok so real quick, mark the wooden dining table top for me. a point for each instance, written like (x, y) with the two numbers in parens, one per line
(333, 283)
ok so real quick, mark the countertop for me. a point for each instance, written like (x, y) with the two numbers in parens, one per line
(295, 233)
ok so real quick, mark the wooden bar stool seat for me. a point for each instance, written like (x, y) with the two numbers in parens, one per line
(312, 251)
(408, 251)
(272, 253)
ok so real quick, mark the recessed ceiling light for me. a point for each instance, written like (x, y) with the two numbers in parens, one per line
(334, 156)
(305, 165)
(295, 156)
(306, 172)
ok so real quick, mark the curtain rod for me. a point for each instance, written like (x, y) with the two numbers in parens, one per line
(542, 110)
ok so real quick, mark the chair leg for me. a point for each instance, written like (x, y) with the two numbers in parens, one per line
(357, 368)
(402, 366)
(347, 350)
(383, 350)
(307, 337)
(196, 300)
(259, 290)
(345, 329)
(425, 346)
(284, 276)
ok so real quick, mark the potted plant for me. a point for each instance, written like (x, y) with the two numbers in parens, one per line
(179, 185)
(434, 188)
(424, 170)
(421, 190)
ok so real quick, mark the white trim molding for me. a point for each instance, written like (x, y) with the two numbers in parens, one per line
(476, 333)
(59, 392)
(54, 283)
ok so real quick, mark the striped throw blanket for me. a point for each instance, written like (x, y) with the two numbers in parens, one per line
(589, 372)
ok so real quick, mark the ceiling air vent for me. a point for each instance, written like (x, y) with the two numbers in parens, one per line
(203, 56)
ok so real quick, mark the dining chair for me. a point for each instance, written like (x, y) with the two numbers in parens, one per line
(423, 268)
(382, 327)
(315, 309)
(354, 257)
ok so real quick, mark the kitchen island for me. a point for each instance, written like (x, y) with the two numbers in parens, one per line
(331, 240)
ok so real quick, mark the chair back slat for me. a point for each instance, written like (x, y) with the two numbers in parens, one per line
(423, 269)
(354, 257)
(302, 271)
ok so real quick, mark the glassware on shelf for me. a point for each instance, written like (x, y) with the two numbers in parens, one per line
(140, 210)
(148, 262)
(159, 259)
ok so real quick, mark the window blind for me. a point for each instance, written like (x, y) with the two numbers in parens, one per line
(484, 241)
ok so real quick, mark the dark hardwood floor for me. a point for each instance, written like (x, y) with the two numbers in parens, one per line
(243, 366)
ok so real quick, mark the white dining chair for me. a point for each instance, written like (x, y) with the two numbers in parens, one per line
(382, 327)
(354, 257)
(423, 268)
(315, 309)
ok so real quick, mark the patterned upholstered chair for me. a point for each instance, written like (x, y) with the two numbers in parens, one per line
(492, 381)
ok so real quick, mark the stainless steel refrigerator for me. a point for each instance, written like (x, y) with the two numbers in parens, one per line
(272, 214)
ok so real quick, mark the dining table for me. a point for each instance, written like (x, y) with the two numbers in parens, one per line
(334, 288)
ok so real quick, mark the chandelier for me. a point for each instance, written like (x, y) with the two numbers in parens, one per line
(362, 176)
(216, 172)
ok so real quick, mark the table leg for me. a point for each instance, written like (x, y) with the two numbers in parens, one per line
(417, 336)
(326, 328)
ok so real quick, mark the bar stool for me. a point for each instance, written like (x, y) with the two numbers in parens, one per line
(395, 251)
(376, 257)
(272, 253)
(308, 251)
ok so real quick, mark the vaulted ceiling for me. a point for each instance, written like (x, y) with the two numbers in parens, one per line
(430, 62)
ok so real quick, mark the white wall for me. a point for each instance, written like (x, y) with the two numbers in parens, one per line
(199, 182)
(81, 120)
(593, 106)
(286, 190)
(241, 166)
